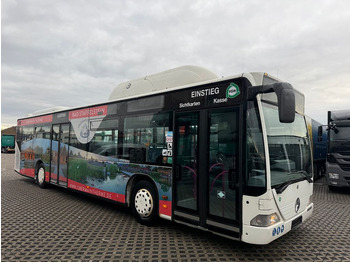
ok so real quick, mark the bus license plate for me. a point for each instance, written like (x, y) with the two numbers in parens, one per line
(297, 221)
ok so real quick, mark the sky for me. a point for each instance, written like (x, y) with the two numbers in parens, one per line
(74, 52)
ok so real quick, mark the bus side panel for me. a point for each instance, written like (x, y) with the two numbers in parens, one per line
(108, 177)
(161, 176)
(90, 168)
(102, 160)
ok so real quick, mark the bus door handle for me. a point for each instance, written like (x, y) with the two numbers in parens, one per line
(232, 178)
(178, 173)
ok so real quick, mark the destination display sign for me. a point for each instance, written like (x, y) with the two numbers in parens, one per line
(211, 95)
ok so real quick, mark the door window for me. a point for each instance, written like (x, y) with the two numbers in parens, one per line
(187, 160)
(63, 156)
(223, 167)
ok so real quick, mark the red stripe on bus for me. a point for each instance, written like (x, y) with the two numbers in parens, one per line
(27, 172)
(88, 112)
(35, 120)
(95, 191)
(165, 207)
(79, 113)
(63, 179)
(54, 177)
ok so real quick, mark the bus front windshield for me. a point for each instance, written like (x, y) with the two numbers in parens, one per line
(289, 148)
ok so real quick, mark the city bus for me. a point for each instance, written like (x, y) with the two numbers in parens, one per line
(227, 155)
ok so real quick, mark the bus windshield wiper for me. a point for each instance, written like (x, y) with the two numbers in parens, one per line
(280, 188)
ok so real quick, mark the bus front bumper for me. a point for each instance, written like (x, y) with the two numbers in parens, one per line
(265, 235)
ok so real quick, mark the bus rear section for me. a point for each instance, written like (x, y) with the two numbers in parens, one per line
(338, 157)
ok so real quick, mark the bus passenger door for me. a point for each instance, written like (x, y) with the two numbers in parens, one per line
(223, 168)
(206, 169)
(186, 166)
(59, 154)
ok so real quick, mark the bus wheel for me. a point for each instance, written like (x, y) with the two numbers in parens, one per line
(144, 204)
(41, 176)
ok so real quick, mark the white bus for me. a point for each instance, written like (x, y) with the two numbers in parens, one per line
(227, 155)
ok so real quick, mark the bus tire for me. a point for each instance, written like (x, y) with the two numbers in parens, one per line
(144, 204)
(40, 177)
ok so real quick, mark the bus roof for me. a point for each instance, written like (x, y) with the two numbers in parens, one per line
(49, 110)
(180, 76)
(170, 80)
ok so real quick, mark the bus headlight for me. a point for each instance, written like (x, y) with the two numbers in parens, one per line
(265, 220)
(333, 176)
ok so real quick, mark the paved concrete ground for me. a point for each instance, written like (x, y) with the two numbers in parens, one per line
(59, 225)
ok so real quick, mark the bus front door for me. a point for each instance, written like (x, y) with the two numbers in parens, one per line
(206, 170)
(59, 154)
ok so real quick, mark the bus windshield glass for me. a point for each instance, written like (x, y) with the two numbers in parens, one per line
(289, 148)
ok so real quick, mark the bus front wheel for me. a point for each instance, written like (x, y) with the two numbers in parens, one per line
(40, 178)
(144, 204)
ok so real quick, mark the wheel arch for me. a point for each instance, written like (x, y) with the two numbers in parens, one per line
(37, 165)
(132, 182)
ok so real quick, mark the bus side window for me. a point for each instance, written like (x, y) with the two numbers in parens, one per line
(19, 132)
(28, 133)
(144, 138)
(41, 143)
(43, 132)
(105, 140)
(27, 153)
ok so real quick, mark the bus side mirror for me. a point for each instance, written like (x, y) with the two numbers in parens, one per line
(286, 105)
(285, 99)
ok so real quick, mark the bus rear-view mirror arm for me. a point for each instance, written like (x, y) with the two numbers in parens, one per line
(285, 99)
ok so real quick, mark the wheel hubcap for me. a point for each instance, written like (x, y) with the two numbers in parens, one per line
(144, 202)
(41, 176)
